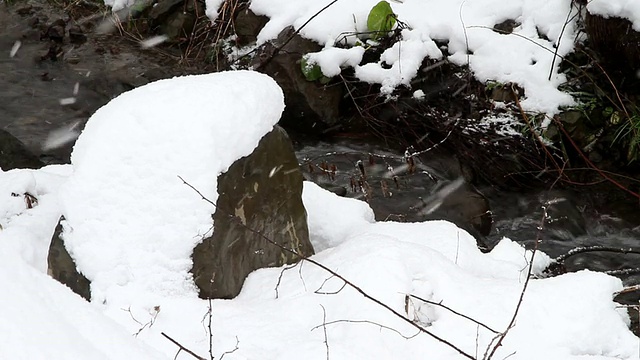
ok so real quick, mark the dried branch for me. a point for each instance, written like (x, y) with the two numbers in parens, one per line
(623, 272)
(324, 324)
(280, 277)
(626, 290)
(332, 272)
(182, 348)
(329, 292)
(595, 248)
(324, 329)
(279, 48)
(500, 337)
(440, 304)
(231, 351)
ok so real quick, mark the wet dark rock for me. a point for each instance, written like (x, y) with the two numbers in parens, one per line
(76, 35)
(173, 18)
(310, 106)
(25, 10)
(506, 27)
(15, 155)
(261, 192)
(56, 31)
(248, 26)
(62, 267)
(162, 9)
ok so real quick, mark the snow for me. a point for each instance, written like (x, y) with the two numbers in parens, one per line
(131, 225)
(525, 57)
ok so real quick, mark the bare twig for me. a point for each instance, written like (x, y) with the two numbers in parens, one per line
(597, 248)
(332, 272)
(627, 289)
(319, 292)
(623, 272)
(500, 337)
(564, 26)
(280, 277)
(231, 351)
(279, 48)
(440, 304)
(182, 348)
(324, 324)
(324, 329)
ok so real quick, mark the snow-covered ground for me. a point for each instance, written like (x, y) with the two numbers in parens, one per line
(131, 224)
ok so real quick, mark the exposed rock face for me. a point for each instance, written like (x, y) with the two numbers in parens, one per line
(309, 105)
(15, 155)
(63, 268)
(175, 18)
(248, 26)
(261, 192)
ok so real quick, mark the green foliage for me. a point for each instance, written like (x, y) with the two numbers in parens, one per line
(492, 84)
(381, 19)
(311, 72)
(629, 134)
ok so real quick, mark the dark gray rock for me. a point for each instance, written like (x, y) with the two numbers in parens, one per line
(62, 267)
(15, 155)
(261, 192)
(310, 105)
(173, 18)
(248, 26)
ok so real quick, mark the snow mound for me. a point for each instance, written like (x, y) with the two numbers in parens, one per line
(42, 319)
(529, 56)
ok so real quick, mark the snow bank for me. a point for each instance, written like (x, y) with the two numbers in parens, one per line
(17, 231)
(524, 57)
(131, 224)
(42, 319)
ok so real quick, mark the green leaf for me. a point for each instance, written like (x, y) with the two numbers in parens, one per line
(381, 19)
(311, 72)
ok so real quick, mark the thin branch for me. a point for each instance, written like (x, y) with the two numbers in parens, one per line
(623, 272)
(332, 272)
(597, 248)
(280, 277)
(324, 329)
(440, 304)
(182, 347)
(324, 324)
(628, 289)
(329, 292)
(500, 337)
(279, 48)
(555, 53)
(231, 351)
